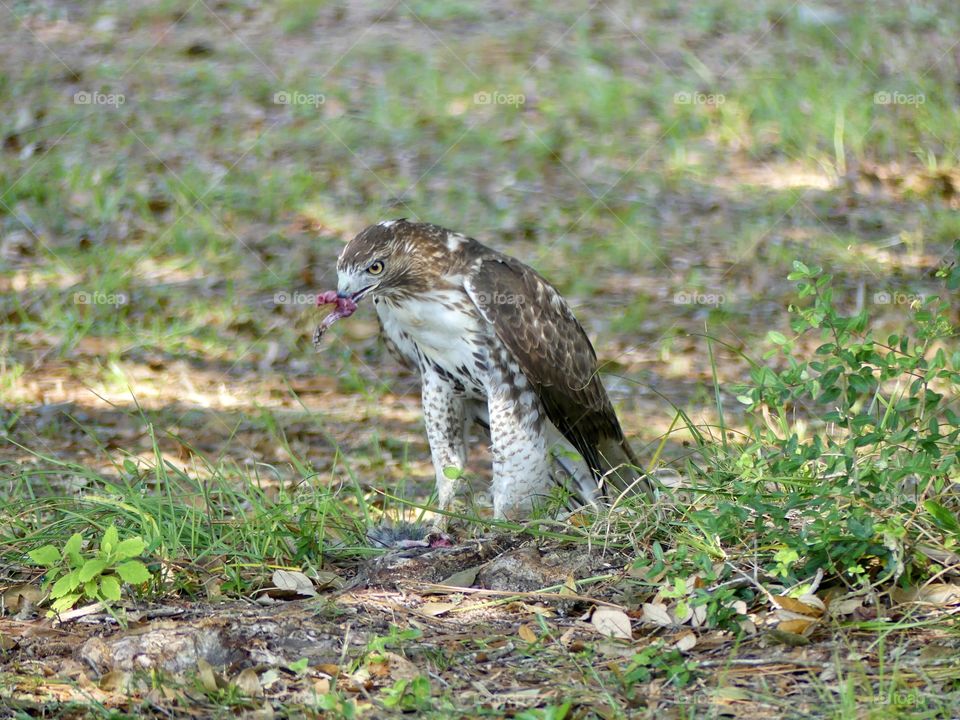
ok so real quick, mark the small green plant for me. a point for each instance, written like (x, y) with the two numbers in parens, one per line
(550, 712)
(409, 695)
(658, 660)
(73, 575)
(395, 638)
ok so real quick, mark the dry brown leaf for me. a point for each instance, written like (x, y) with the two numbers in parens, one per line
(293, 581)
(657, 614)
(845, 607)
(464, 578)
(211, 585)
(114, 681)
(940, 594)
(379, 668)
(208, 678)
(328, 669)
(435, 609)
(612, 623)
(527, 633)
(325, 580)
(698, 615)
(541, 610)
(797, 626)
(809, 605)
(321, 686)
(249, 683)
(399, 667)
(568, 637)
(686, 642)
(20, 596)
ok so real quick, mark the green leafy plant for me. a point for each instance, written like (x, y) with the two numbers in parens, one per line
(408, 695)
(73, 574)
(396, 637)
(873, 466)
(658, 660)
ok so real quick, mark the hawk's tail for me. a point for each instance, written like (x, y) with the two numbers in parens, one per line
(607, 473)
(618, 471)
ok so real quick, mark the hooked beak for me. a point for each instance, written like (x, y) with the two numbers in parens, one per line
(355, 297)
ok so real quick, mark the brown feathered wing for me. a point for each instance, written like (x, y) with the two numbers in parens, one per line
(534, 322)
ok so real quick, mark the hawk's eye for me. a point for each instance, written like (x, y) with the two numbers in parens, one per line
(376, 268)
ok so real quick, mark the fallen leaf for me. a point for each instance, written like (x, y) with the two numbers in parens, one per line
(612, 623)
(321, 686)
(328, 669)
(809, 605)
(939, 594)
(206, 675)
(249, 683)
(845, 607)
(698, 615)
(400, 667)
(114, 681)
(568, 637)
(435, 609)
(325, 580)
(686, 642)
(527, 633)
(20, 596)
(657, 614)
(464, 578)
(797, 626)
(540, 610)
(294, 582)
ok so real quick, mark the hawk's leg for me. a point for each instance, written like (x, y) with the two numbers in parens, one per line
(445, 417)
(521, 468)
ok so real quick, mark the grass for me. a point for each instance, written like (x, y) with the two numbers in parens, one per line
(665, 166)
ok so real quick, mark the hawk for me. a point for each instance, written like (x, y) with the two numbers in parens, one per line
(495, 344)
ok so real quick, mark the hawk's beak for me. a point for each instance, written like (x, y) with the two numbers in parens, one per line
(355, 297)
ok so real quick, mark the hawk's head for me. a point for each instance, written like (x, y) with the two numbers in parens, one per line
(393, 259)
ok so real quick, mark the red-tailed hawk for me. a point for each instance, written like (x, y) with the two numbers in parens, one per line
(496, 345)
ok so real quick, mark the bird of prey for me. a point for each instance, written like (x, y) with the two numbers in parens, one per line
(495, 344)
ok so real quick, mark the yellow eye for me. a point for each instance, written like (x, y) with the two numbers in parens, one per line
(376, 268)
